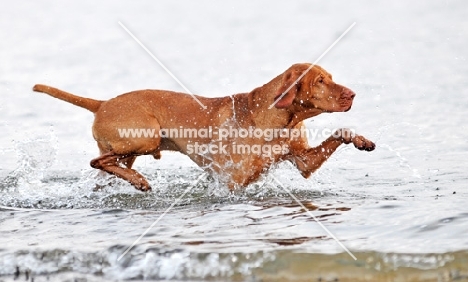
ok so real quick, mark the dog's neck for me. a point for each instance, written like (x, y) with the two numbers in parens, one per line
(264, 117)
(300, 113)
(260, 100)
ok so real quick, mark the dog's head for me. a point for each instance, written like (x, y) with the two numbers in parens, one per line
(306, 86)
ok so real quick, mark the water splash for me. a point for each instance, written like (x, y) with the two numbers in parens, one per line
(386, 128)
(35, 155)
(403, 161)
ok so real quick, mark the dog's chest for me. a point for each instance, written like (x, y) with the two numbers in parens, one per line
(236, 169)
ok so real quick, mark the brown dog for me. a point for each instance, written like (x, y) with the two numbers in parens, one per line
(229, 138)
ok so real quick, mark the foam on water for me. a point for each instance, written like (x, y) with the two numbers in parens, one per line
(31, 185)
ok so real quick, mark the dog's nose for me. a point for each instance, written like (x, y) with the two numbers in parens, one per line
(348, 93)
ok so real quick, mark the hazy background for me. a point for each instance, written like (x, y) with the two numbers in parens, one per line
(396, 57)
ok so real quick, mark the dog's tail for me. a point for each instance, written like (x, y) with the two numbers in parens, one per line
(89, 104)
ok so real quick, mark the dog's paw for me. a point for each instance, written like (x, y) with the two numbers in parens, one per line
(362, 143)
(143, 187)
(141, 184)
(347, 136)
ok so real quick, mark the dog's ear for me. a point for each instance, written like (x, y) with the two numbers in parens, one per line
(288, 89)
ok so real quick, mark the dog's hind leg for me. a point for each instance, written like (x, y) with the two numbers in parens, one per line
(110, 162)
(128, 161)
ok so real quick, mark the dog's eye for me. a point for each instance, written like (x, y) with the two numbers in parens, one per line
(320, 80)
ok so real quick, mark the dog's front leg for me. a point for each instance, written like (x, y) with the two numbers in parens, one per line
(309, 160)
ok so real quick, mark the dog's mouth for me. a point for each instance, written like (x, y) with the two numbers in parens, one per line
(345, 103)
(346, 100)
